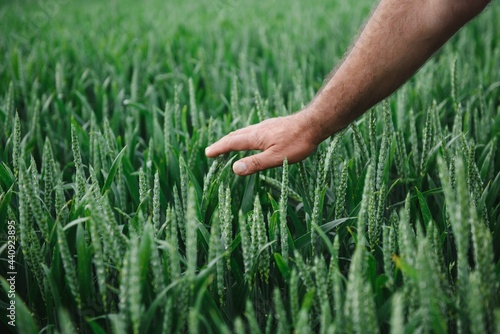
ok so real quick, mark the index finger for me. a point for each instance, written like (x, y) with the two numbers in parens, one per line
(236, 141)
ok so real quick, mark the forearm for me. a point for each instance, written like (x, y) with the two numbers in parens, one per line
(398, 38)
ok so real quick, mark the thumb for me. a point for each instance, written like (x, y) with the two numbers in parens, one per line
(256, 163)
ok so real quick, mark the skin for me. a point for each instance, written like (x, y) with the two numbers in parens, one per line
(399, 37)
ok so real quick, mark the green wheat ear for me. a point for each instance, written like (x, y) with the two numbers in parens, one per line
(398, 315)
(98, 259)
(9, 107)
(321, 278)
(261, 240)
(280, 312)
(69, 265)
(191, 237)
(48, 173)
(77, 159)
(226, 220)
(246, 246)
(156, 202)
(283, 211)
(16, 150)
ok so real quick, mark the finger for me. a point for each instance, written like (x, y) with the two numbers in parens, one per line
(233, 142)
(257, 163)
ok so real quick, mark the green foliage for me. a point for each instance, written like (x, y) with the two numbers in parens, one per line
(123, 224)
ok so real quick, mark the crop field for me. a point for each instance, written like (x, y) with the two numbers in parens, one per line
(112, 219)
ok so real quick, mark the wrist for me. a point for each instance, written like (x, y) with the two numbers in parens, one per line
(320, 124)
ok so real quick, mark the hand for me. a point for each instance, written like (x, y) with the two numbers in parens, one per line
(290, 137)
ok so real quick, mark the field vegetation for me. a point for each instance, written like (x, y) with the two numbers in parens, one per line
(124, 226)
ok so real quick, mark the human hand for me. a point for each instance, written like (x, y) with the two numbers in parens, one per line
(290, 137)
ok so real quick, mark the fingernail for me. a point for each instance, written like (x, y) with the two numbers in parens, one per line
(207, 150)
(240, 167)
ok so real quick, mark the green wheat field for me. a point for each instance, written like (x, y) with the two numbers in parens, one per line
(112, 220)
